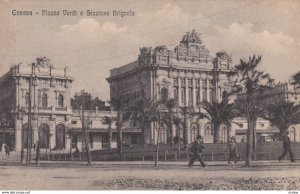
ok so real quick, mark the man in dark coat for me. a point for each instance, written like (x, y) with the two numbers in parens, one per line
(232, 150)
(196, 151)
(286, 147)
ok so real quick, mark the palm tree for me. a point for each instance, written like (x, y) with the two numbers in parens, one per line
(119, 105)
(296, 80)
(282, 114)
(171, 105)
(109, 121)
(218, 113)
(145, 111)
(141, 112)
(250, 80)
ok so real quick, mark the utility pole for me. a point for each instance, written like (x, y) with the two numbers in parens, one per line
(29, 132)
(39, 135)
(85, 102)
(157, 138)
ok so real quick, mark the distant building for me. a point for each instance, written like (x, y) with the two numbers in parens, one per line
(265, 130)
(88, 102)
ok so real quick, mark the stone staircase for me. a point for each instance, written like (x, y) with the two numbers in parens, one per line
(13, 158)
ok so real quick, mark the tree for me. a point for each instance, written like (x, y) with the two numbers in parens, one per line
(171, 105)
(296, 80)
(158, 116)
(282, 114)
(85, 103)
(250, 80)
(218, 113)
(109, 121)
(119, 105)
(178, 122)
(186, 112)
(142, 112)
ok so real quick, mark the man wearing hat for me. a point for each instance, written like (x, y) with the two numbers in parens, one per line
(286, 146)
(196, 151)
(232, 150)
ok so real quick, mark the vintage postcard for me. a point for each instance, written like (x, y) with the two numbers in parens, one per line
(149, 95)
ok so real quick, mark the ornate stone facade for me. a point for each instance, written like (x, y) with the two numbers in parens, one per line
(187, 73)
(50, 104)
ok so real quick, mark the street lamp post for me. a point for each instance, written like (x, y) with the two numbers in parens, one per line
(158, 134)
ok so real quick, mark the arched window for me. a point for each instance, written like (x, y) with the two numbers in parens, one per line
(60, 100)
(163, 135)
(60, 136)
(44, 100)
(223, 134)
(194, 132)
(292, 134)
(164, 94)
(207, 130)
(44, 136)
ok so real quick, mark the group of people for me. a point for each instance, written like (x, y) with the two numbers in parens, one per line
(198, 147)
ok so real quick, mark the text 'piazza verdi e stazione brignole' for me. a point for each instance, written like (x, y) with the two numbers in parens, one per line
(103, 13)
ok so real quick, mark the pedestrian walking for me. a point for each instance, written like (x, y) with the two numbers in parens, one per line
(286, 142)
(196, 151)
(6, 147)
(232, 150)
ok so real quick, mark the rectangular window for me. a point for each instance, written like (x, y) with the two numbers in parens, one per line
(197, 82)
(210, 82)
(204, 96)
(190, 96)
(197, 96)
(203, 83)
(73, 122)
(183, 95)
(210, 95)
(175, 93)
(182, 81)
(190, 82)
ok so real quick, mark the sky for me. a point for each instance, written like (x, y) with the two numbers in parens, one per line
(92, 45)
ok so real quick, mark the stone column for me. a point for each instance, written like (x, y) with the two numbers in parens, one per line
(18, 136)
(207, 89)
(200, 90)
(52, 137)
(186, 92)
(194, 93)
(179, 91)
(188, 131)
(151, 86)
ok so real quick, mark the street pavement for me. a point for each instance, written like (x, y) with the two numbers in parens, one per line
(143, 175)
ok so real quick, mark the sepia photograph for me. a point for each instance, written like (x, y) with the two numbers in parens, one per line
(149, 95)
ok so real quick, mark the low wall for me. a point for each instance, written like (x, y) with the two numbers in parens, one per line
(213, 152)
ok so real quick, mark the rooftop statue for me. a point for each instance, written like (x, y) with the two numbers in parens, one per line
(43, 62)
(191, 37)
